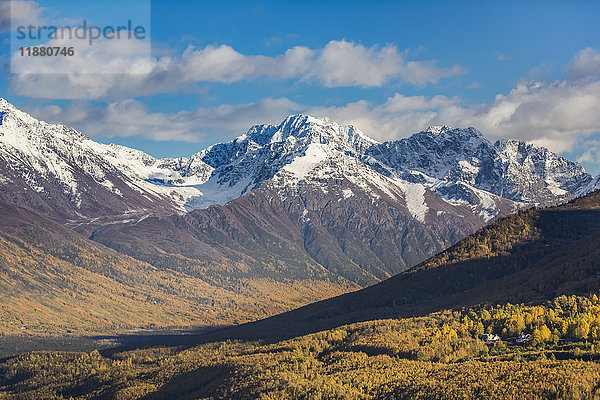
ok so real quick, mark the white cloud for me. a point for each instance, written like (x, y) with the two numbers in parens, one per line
(592, 152)
(343, 63)
(397, 117)
(131, 118)
(585, 65)
(104, 62)
(16, 13)
(554, 115)
(557, 115)
(339, 63)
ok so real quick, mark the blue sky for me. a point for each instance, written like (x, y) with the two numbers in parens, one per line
(526, 70)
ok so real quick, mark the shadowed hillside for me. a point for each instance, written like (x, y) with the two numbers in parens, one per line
(531, 256)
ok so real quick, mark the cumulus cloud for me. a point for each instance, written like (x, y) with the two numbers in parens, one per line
(19, 13)
(557, 115)
(132, 118)
(343, 63)
(591, 153)
(105, 63)
(585, 65)
(338, 63)
(553, 114)
(123, 55)
(397, 117)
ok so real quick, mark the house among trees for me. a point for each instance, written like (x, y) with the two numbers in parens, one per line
(523, 338)
(490, 338)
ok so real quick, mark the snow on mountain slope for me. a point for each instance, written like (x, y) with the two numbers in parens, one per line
(60, 172)
(306, 189)
(293, 149)
(592, 186)
(74, 177)
(458, 165)
(462, 165)
(301, 151)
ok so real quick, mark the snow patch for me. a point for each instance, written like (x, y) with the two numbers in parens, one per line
(414, 196)
(315, 154)
(143, 218)
(488, 205)
(213, 192)
(347, 193)
(557, 191)
(468, 167)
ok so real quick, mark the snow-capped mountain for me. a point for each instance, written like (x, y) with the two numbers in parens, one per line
(299, 145)
(62, 173)
(590, 187)
(59, 163)
(460, 163)
(360, 209)
(65, 174)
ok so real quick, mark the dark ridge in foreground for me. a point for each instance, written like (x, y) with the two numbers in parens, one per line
(531, 256)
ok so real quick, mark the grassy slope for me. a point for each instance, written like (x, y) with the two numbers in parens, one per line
(53, 281)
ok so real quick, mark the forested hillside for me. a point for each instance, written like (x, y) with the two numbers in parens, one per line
(437, 356)
(54, 281)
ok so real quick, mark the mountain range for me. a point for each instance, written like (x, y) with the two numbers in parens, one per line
(72, 177)
(283, 215)
(419, 334)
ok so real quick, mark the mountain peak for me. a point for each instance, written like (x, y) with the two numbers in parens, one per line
(306, 128)
(22, 128)
(298, 120)
(6, 104)
(448, 131)
(437, 129)
(10, 109)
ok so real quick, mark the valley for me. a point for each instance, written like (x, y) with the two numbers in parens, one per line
(295, 260)
(419, 334)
